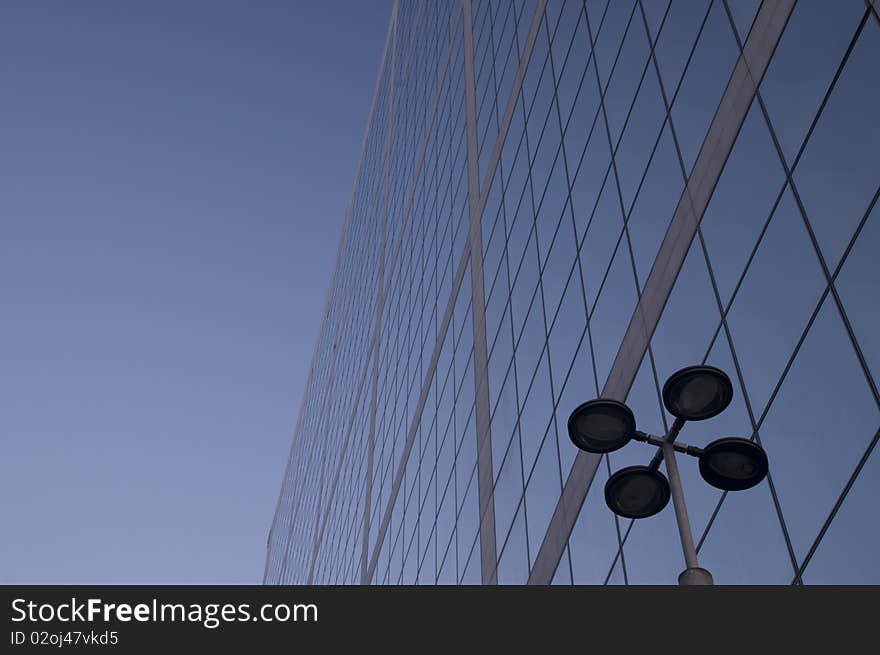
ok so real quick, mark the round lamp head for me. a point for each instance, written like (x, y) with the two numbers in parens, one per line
(697, 392)
(601, 425)
(733, 464)
(637, 492)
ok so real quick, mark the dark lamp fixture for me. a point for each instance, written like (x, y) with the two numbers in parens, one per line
(733, 464)
(696, 393)
(601, 425)
(637, 492)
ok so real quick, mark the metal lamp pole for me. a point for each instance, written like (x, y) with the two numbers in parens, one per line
(693, 574)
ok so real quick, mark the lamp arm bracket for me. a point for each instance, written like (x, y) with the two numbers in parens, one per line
(679, 447)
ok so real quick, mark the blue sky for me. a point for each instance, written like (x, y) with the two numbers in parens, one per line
(175, 177)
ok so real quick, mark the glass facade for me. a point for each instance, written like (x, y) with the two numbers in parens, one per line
(559, 200)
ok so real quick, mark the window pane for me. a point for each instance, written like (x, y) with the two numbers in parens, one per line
(742, 201)
(798, 76)
(513, 564)
(771, 309)
(857, 286)
(593, 540)
(847, 553)
(543, 489)
(703, 84)
(840, 168)
(818, 427)
(745, 544)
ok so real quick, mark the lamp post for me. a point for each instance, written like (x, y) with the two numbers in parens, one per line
(694, 393)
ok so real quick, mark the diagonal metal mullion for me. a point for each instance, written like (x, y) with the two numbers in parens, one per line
(829, 285)
(720, 306)
(731, 111)
(463, 261)
(819, 303)
(625, 221)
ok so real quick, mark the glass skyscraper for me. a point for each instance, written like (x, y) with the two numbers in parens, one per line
(561, 200)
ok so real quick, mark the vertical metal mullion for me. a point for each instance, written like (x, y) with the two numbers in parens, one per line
(488, 557)
(427, 377)
(380, 304)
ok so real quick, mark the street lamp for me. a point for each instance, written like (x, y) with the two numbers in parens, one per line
(694, 393)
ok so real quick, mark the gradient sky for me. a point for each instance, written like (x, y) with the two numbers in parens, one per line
(175, 177)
